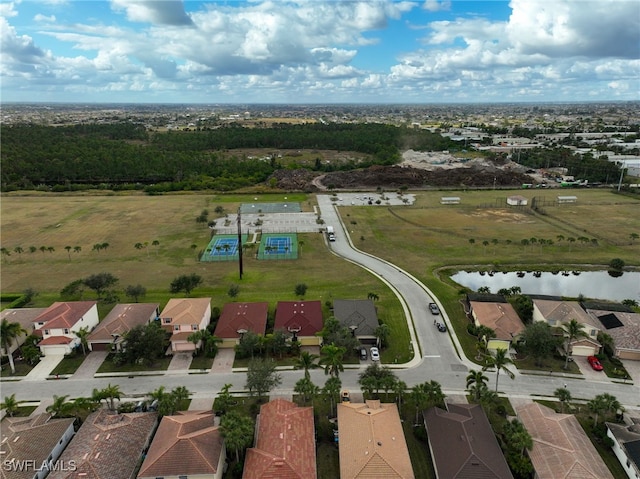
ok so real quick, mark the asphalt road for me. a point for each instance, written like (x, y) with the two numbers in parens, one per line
(435, 356)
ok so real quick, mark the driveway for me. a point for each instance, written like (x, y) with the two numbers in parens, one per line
(90, 365)
(44, 367)
(223, 362)
(180, 361)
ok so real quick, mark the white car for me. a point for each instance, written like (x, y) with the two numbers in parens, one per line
(375, 354)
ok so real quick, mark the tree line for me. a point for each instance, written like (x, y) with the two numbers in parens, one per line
(125, 155)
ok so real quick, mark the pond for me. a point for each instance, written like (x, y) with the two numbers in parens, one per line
(591, 284)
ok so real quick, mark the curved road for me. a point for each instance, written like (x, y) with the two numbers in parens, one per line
(435, 356)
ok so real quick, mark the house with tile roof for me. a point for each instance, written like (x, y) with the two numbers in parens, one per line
(462, 443)
(108, 446)
(624, 329)
(58, 324)
(359, 315)
(561, 448)
(24, 317)
(626, 443)
(109, 334)
(303, 319)
(557, 313)
(372, 442)
(35, 442)
(499, 316)
(188, 444)
(181, 317)
(238, 318)
(285, 446)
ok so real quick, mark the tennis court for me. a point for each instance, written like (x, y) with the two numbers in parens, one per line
(222, 248)
(278, 246)
(258, 208)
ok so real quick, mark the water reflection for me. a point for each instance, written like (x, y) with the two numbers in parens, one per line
(591, 284)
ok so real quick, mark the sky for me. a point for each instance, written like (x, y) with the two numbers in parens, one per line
(319, 51)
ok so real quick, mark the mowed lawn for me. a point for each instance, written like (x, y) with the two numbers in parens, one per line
(124, 220)
(429, 235)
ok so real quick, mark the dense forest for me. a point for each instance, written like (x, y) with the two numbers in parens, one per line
(126, 155)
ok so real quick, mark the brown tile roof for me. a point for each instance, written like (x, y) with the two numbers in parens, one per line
(306, 315)
(626, 336)
(564, 311)
(501, 317)
(62, 315)
(357, 312)
(186, 310)
(372, 442)
(285, 446)
(108, 445)
(561, 449)
(188, 443)
(30, 438)
(236, 316)
(181, 336)
(122, 318)
(23, 316)
(463, 444)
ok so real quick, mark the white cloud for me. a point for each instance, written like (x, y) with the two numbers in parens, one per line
(43, 18)
(436, 5)
(7, 10)
(162, 12)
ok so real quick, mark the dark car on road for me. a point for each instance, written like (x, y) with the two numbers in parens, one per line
(363, 354)
(433, 307)
(441, 327)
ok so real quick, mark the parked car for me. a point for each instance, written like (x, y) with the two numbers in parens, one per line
(441, 327)
(433, 307)
(363, 354)
(595, 363)
(375, 354)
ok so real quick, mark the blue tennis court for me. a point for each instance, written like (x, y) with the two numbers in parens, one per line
(277, 245)
(222, 248)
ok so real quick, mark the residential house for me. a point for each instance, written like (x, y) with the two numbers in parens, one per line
(39, 439)
(561, 448)
(238, 318)
(499, 316)
(462, 443)
(359, 315)
(626, 444)
(285, 445)
(624, 329)
(109, 334)
(24, 317)
(303, 319)
(181, 317)
(558, 313)
(372, 442)
(108, 446)
(58, 324)
(188, 444)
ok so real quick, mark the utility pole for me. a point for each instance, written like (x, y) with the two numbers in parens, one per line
(239, 242)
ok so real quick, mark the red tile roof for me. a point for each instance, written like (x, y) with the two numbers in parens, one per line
(561, 448)
(62, 315)
(107, 446)
(306, 315)
(188, 443)
(122, 318)
(372, 443)
(237, 316)
(53, 340)
(501, 317)
(285, 445)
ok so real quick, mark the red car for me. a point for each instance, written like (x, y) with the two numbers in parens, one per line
(595, 364)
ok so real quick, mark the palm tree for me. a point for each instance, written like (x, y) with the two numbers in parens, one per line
(195, 338)
(399, 389)
(77, 249)
(573, 330)
(237, 431)
(306, 361)
(32, 249)
(10, 404)
(18, 249)
(476, 383)
(82, 333)
(382, 333)
(305, 388)
(43, 249)
(332, 389)
(564, 396)
(634, 236)
(111, 393)
(332, 359)
(156, 243)
(59, 407)
(68, 248)
(9, 332)
(433, 390)
(419, 397)
(607, 342)
(500, 361)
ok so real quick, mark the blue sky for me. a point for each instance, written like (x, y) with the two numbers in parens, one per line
(316, 51)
